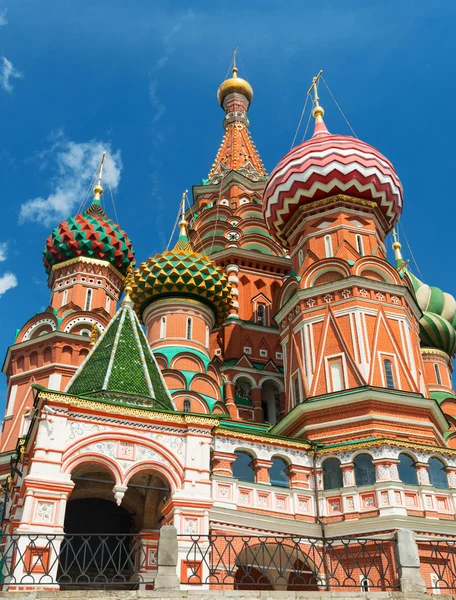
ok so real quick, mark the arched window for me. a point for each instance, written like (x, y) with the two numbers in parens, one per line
(189, 328)
(207, 337)
(163, 328)
(359, 245)
(277, 473)
(261, 314)
(242, 469)
(364, 470)
(337, 376)
(300, 258)
(88, 302)
(437, 473)
(64, 297)
(389, 377)
(297, 391)
(328, 246)
(332, 474)
(437, 374)
(407, 469)
(187, 405)
(108, 303)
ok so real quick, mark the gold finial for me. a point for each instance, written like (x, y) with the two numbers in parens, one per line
(94, 334)
(318, 111)
(129, 280)
(400, 262)
(183, 222)
(98, 189)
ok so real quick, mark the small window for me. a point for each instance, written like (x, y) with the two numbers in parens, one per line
(437, 374)
(242, 467)
(407, 470)
(261, 314)
(337, 376)
(277, 473)
(364, 470)
(85, 332)
(189, 328)
(364, 584)
(389, 377)
(359, 245)
(163, 328)
(88, 302)
(332, 474)
(108, 303)
(300, 258)
(297, 391)
(328, 246)
(207, 336)
(187, 405)
(64, 297)
(437, 474)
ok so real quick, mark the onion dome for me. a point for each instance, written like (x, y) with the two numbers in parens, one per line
(183, 272)
(234, 85)
(328, 165)
(91, 234)
(437, 325)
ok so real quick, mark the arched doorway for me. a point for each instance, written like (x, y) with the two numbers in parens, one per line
(270, 401)
(109, 529)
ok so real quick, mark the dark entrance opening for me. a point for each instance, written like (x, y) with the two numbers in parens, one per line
(98, 550)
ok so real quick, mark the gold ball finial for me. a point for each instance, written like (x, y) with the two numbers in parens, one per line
(234, 85)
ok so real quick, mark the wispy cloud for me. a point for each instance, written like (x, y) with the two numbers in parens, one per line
(7, 73)
(3, 251)
(72, 166)
(8, 280)
(3, 17)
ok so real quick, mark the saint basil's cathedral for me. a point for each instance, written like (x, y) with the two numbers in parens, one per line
(272, 374)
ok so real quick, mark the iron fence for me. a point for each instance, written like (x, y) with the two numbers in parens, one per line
(438, 564)
(289, 563)
(116, 561)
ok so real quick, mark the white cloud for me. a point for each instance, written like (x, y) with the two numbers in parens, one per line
(7, 281)
(7, 73)
(74, 166)
(3, 251)
(3, 17)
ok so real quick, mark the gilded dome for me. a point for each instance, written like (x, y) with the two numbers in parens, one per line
(182, 272)
(234, 85)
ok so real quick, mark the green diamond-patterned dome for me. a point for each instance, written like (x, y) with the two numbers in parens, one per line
(91, 234)
(182, 271)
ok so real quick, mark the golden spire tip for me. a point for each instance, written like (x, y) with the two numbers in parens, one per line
(98, 189)
(318, 111)
(235, 69)
(183, 222)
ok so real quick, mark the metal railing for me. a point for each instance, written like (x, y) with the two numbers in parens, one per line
(116, 561)
(289, 563)
(438, 563)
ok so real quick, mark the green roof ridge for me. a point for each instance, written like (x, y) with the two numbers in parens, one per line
(122, 364)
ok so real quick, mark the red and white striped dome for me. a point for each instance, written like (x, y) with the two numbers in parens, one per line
(327, 165)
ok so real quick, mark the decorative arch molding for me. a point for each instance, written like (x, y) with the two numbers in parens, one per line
(325, 266)
(219, 409)
(192, 358)
(179, 397)
(37, 324)
(288, 289)
(104, 447)
(275, 380)
(214, 372)
(170, 477)
(86, 320)
(380, 267)
(161, 359)
(205, 379)
(171, 375)
(73, 462)
(249, 378)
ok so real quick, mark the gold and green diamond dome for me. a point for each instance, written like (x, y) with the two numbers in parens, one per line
(183, 272)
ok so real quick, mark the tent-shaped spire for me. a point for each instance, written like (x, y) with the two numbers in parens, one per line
(121, 365)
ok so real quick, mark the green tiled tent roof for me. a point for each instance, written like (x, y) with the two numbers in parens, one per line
(121, 366)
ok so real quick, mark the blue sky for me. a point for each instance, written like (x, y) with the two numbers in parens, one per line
(139, 78)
